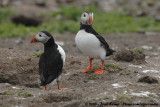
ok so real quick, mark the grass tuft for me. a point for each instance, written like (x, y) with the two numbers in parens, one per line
(125, 73)
(24, 94)
(38, 54)
(7, 92)
(124, 97)
(112, 67)
(138, 50)
(94, 77)
(103, 97)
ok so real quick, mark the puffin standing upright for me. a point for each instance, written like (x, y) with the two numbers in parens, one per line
(91, 43)
(51, 61)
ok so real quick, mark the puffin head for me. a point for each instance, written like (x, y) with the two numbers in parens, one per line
(42, 37)
(87, 18)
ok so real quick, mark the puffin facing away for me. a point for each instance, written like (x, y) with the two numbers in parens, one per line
(51, 61)
(91, 43)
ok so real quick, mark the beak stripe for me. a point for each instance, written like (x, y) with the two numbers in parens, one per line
(32, 40)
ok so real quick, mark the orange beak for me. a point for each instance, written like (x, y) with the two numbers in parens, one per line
(91, 22)
(34, 39)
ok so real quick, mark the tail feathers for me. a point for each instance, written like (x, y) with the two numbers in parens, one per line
(49, 80)
(110, 52)
(42, 83)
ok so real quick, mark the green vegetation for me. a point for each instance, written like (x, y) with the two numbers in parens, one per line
(38, 54)
(24, 94)
(112, 67)
(124, 97)
(103, 97)
(93, 77)
(8, 92)
(67, 19)
(5, 13)
(125, 73)
(20, 93)
(138, 50)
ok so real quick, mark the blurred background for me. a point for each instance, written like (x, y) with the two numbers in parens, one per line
(19, 18)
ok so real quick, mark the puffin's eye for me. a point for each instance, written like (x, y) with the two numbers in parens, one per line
(40, 35)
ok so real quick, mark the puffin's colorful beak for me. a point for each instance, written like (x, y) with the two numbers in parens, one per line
(91, 18)
(34, 39)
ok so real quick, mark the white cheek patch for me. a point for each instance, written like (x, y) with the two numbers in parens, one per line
(44, 39)
(84, 20)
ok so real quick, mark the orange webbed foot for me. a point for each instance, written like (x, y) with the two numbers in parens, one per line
(98, 71)
(88, 69)
(58, 83)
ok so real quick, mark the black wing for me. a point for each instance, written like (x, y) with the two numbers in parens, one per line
(50, 67)
(103, 43)
(109, 51)
(41, 67)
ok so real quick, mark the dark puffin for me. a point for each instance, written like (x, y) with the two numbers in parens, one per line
(51, 61)
(91, 43)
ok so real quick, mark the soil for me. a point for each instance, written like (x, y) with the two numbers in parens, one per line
(19, 72)
(130, 56)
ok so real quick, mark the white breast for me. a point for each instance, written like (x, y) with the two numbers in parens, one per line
(89, 45)
(63, 55)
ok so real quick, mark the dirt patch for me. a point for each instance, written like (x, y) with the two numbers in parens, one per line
(18, 69)
(61, 96)
(148, 79)
(130, 56)
(9, 77)
(50, 98)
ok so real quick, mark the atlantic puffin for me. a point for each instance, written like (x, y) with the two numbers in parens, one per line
(91, 43)
(51, 61)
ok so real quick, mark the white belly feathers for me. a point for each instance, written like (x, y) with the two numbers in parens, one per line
(63, 55)
(89, 45)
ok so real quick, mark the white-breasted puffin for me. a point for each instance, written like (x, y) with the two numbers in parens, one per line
(51, 61)
(91, 43)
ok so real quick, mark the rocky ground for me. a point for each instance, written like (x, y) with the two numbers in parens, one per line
(19, 79)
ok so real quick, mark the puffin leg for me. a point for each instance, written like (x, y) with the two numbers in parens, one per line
(90, 66)
(58, 83)
(45, 87)
(100, 71)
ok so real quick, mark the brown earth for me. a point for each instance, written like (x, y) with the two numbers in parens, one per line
(117, 85)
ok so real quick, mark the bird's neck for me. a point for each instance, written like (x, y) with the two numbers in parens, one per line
(86, 27)
(49, 44)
